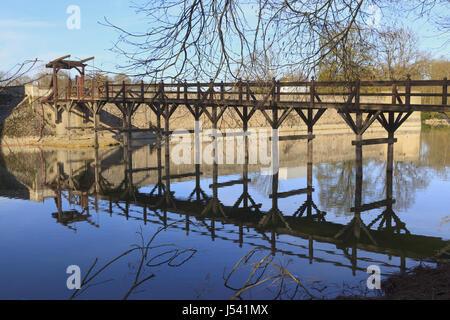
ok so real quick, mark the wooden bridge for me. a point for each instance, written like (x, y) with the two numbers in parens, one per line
(359, 103)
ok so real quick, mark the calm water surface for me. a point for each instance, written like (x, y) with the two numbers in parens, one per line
(143, 238)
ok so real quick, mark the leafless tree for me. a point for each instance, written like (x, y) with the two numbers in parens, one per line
(17, 75)
(435, 11)
(210, 38)
(399, 55)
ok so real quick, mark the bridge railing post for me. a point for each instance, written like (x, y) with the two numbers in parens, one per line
(124, 91)
(408, 90)
(444, 92)
(394, 96)
(211, 90)
(69, 89)
(274, 90)
(358, 93)
(312, 90)
(92, 88)
(199, 96)
(240, 90)
(247, 91)
(107, 90)
(278, 91)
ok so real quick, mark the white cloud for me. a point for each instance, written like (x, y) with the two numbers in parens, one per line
(15, 23)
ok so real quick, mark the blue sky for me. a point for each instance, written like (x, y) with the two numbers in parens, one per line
(30, 29)
(37, 29)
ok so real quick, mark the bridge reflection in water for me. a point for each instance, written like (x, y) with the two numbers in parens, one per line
(116, 181)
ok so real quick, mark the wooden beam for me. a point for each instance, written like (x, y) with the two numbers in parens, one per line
(146, 169)
(295, 137)
(181, 176)
(368, 142)
(230, 183)
(373, 205)
(292, 193)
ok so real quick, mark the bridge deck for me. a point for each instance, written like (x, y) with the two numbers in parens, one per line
(350, 96)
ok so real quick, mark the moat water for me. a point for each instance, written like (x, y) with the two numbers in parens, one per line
(113, 214)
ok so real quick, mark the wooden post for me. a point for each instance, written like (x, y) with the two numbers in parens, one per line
(199, 96)
(278, 91)
(309, 167)
(240, 90)
(402, 264)
(390, 148)
(408, 90)
(394, 96)
(197, 181)
(82, 82)
(79, 89)
(389, 180)
(124, 128)
(124, 97)
(107, 90)
(58, 198)
(92, 89)
(55, 83)
(69, 89)
(145, 214)
(167, 146)
(273, 243)
(354, 259)
(197, 144)
(56, 112)
(97, 173)
(274, 150)
(129, 162)
(159, 155)
(359, 170)
(211, 92)
(241, 235)
(358, 94)
(96, 123)
(216, 157)
(68, 123)
(213, 230)
(444, 92)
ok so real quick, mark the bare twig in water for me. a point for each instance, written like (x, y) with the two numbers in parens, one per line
(265, 271)
(171, 254)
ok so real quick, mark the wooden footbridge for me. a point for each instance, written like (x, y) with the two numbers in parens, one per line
(359, 103)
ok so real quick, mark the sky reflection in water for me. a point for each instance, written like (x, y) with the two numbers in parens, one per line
(37, 243)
